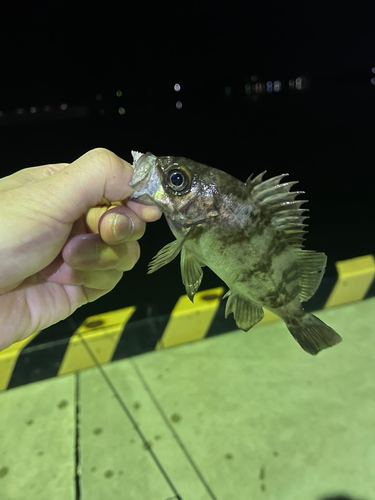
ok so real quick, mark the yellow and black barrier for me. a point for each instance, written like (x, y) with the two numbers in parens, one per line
(115, 335)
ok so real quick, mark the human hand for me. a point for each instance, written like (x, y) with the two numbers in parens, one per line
(67, 234)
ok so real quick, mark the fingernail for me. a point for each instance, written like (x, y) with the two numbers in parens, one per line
(122, 227)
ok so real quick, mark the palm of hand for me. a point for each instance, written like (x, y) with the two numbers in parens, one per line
(51, 262)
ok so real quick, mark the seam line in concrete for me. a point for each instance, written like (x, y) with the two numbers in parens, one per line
(130, 417)
(174, 433)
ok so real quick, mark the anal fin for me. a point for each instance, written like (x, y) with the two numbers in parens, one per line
(246, 312)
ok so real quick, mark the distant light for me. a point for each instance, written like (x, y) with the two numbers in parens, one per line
(277, 85)
(63, 106)
(177, 87)
(98, 97)
(259, 87)
(254, 78)
(178, 104)
(291, 84)
(121, 111)
(47, 108)
(228, 91)
(118, 93)
(299, 83)
(269, 86)
(101, 111)
(373, 70)
(373, 81)
(248, 89)
(33, 109)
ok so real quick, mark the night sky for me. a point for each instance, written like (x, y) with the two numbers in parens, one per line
(197, 40)
(62, 64)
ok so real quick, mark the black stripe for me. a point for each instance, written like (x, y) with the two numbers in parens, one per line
(219, 324)
(42, 357)
(371, 291)
(38, 363)
(62, 330)
(144, 329)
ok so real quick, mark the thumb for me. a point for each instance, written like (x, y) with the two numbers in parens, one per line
(83, 184)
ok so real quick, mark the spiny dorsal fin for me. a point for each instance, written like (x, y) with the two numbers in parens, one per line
(251, 183)
(280, 203)
(273, 182)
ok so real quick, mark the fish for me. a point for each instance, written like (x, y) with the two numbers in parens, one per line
(249, 234)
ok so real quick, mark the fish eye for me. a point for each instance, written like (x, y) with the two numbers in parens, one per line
(178, 180)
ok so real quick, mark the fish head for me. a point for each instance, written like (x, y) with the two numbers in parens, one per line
(184, 190)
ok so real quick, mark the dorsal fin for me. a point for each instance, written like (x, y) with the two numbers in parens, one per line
(280, 203)
(311, 269)
(251, 183)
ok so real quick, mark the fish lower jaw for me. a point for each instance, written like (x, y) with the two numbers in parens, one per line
(175, 218)
(142, 197)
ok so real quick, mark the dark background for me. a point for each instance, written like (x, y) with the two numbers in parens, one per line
(63, 64)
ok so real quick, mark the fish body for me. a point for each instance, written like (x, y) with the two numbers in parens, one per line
(249, 234)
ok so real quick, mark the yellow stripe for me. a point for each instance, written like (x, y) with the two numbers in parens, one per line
(189, 322)
(101, 334)
(269, 317)
(355, 277)
(8, 359)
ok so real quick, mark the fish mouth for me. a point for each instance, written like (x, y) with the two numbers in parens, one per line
(144, 180)
(141, 169)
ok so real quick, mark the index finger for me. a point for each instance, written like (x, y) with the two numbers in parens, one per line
(83, 184)
(149, 213)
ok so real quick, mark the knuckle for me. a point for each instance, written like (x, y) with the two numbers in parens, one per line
(101, 155)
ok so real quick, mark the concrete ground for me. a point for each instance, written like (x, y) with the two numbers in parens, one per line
(240, 416)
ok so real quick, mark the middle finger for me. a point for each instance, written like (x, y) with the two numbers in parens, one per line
(88, 252)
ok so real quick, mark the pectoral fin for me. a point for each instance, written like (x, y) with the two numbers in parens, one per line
(246, 313)
(191, 272)
(165, 255)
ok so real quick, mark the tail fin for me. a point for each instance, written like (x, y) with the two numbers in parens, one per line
(312, 334)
